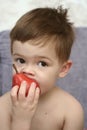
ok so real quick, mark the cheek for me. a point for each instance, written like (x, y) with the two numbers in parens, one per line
(18, 68)
(47, 82)
(14, 72)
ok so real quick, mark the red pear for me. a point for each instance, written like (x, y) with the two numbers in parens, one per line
(19, 77)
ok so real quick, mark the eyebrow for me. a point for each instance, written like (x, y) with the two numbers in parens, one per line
(17, 54)
(37, 56)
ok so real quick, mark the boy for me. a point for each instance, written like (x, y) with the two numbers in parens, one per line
(41, 43)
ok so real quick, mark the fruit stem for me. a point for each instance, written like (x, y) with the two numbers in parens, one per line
(14, 66)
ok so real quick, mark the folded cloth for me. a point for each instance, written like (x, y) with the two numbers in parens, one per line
(5, 63)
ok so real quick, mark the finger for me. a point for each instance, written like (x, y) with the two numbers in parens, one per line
(37, 95)
(22, 91)
(14, 92)
(31, 92)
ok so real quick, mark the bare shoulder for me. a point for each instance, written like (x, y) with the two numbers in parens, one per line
(5, 109)
(74, 114)
(5, 102)
(5, 99)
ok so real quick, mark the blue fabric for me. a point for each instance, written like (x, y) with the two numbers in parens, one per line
(5, 63)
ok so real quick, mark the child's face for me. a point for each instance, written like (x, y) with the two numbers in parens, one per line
(39, 63)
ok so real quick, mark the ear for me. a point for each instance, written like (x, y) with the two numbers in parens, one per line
(65, 68)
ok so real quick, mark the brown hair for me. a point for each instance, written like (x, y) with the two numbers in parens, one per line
(46, 23)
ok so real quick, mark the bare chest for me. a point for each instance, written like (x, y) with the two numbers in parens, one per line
(47, 120)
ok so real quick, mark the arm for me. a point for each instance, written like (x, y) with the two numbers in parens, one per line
(4, 112)
(23, 108)
(75, 118)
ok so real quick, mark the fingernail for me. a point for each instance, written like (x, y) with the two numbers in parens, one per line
(24, 82)
(33, 83)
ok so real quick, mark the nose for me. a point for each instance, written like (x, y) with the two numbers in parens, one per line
(29, 70)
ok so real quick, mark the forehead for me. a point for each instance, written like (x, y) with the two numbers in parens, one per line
(29, 48)
(46, 40)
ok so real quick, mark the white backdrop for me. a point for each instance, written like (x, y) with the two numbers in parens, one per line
(11, 10)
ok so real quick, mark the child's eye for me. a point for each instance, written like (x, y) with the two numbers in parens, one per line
(42, 63)
(20, 60)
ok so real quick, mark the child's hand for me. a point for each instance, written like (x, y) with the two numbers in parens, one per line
(23, 108)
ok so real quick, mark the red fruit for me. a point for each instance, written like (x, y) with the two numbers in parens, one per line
(19, 77)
